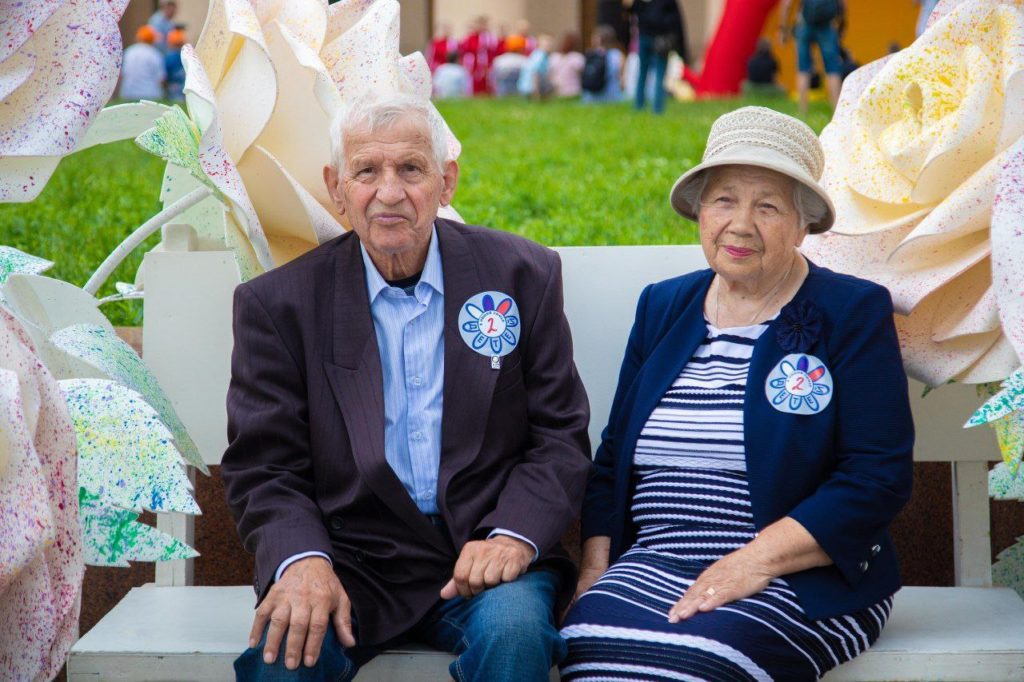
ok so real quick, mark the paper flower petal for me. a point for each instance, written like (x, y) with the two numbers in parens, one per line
(102, 349)
(41, 565)
(113, 537)
(121, 122)
(175, 138)
(73, 52)
(1008, 245)
(126, 455)
(43, 305)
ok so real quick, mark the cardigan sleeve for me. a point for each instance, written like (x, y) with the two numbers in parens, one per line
(874, 435)
(599, 500)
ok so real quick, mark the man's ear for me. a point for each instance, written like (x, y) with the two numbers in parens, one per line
(332, 181)
(451, 179)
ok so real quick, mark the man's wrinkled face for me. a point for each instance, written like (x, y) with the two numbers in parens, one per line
(390, 187)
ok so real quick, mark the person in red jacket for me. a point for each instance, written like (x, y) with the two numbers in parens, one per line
(477, 51)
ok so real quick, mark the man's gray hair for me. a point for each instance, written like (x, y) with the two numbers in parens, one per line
(379, 112)
(811, 209)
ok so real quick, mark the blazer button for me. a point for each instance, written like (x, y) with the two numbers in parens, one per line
(875, 550)
(336, 523)
(863, 566)
(359, 555)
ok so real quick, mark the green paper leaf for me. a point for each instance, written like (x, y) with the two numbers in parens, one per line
(126, 455)
(101, 348)
(175, 138)
(15, 262)
(1008, 570)
(113, 537)
(1005, 483)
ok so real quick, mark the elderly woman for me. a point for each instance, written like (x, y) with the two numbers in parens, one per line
(759, 443)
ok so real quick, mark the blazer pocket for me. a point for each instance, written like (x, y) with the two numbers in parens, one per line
(510, 374)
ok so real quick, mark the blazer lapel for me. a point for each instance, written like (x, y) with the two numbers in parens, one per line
(468, 377)
(664, 364)
(357, 381)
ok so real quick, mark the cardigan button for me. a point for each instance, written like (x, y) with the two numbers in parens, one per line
(863, 566)
(336, 523)
(875, 550)
(359, 555)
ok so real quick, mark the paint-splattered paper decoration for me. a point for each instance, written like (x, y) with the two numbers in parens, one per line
(101, 348)
(1004, 484)
(925, 164)
(1004, 411)
(13, 261)
(1008, 570)
(59, 62)
(126, 456)
(41, 565)
(113, 537)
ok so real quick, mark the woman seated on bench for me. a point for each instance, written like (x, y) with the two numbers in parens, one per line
(758, 447)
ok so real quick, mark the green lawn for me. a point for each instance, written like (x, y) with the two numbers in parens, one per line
(558, 172)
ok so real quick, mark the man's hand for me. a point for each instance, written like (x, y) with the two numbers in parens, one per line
(487, 563)
(300, 603)
(734, 576)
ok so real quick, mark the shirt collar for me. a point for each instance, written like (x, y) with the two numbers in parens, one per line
(432, 275)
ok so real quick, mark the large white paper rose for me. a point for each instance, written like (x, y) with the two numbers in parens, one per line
(41, 561)
(263, 84)
(59, 62)
(924, 160)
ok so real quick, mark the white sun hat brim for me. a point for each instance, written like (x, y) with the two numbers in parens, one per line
(762, 138)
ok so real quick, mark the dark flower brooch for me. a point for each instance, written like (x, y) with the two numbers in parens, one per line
(799, 326)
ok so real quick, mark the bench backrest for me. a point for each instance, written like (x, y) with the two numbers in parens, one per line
(187, 343)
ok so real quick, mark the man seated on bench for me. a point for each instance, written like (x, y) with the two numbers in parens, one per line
(407, 430)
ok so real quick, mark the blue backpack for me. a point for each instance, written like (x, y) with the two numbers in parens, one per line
(819, 12)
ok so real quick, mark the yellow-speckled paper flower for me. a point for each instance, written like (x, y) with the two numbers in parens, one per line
(263, 84)
(925, 164)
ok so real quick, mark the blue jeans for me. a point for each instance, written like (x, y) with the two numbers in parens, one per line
(646, 54)
(506, 633)
(826, 38)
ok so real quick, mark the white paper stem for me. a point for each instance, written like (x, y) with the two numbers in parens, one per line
(138, 236)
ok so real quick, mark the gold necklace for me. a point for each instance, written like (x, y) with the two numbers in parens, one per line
(718, 300)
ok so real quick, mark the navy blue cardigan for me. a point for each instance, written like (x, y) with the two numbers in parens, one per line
(843, 473)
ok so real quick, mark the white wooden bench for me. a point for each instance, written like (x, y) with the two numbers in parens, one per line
(174, 631)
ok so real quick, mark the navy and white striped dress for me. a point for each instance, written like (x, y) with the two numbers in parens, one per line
(692, 507)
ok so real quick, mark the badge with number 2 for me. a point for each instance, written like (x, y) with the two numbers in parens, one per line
(799, 384)
(489, 324)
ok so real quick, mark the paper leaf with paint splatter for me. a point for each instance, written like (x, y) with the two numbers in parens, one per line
(1004, 484)
(1008, 570)
(1002, 403)
(1004, 412)
(102, 349)
(175, 138)
(15, 262)
(113, 537)
(924, 161)
(126, 456)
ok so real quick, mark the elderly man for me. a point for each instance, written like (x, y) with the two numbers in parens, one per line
(407, 430)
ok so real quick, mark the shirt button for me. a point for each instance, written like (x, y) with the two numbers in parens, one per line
(416, 435)
(416, 381)
(863, 566)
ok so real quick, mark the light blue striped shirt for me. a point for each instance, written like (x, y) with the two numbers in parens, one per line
(410, 338)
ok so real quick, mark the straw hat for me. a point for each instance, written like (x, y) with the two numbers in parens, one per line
(765, 138)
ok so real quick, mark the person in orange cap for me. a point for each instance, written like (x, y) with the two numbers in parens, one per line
(173, 66)
(142, 68)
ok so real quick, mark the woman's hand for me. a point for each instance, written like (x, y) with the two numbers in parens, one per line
(782, 548)
(734, 576)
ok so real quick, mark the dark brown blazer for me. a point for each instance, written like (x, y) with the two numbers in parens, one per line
(305, 467)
